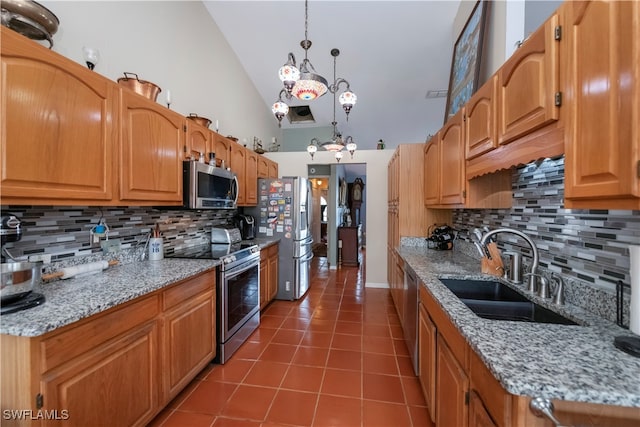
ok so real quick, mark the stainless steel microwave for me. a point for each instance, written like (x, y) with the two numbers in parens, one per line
(208, 187)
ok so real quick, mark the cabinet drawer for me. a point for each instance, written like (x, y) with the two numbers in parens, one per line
(185, 290)
(95, 330)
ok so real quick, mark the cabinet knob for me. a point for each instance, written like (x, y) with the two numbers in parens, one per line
(544, 408)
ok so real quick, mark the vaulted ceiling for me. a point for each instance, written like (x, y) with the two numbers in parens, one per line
(391, 52)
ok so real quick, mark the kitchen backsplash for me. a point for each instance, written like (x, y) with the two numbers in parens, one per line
(64, 232)
(587, 247)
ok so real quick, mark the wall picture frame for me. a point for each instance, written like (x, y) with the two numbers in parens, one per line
(466, 60)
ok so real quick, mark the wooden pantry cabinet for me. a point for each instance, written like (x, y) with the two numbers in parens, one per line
(59, 127)
(602, 163)
(123, 364)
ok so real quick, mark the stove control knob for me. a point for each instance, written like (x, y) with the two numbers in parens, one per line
(228, 260)
(255, 249)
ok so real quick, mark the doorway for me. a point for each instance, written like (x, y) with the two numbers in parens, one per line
(333, 206)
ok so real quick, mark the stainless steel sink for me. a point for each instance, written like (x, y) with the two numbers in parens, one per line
(495, 300)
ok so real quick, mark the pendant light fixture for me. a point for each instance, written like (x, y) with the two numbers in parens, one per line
(337, 143)
(304, 83)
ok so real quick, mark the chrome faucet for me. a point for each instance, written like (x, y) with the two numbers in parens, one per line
(534, 250)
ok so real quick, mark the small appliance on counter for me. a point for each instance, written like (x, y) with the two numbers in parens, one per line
(247, 226)
(17, 279)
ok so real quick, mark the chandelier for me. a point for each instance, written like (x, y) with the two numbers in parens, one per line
(337, 143)
(304, 83)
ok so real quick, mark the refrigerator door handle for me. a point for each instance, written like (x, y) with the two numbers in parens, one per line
(309, 257)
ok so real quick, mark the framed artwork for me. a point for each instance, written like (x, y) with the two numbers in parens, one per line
(465, 64)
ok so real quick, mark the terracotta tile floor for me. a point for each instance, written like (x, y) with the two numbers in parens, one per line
(335, 358)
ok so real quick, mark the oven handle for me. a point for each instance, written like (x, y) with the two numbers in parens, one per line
(230, 274)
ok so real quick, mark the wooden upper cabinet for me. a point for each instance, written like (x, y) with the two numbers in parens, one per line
(237, 163)
(528, 83)
(480, 120)
(432, 171)
(453, 180)
(58, 126)
(199, 140)
(222, 148)
(602, 163)
(273, 169)
(251, 178)
(263, 167)
(152, 143)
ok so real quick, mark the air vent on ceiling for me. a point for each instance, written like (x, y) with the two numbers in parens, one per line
(441, 93)
(300, 114)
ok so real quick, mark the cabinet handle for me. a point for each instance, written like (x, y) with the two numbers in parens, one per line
(544, 408)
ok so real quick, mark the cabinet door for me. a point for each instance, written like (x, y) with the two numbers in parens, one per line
(480, 120)
(452, 386)
(152, 143)
(251, 178)
(273, 272)
(452, 159)
(478, 415)
(427, 360)
(58, 127)
(222, 148)
(264, 280)
(198, 141)
(237, 162)
(114, 381)
(273, 169)
(432, 171)
(527, 85)
(190, 341)
(603, 146)
(263, 167)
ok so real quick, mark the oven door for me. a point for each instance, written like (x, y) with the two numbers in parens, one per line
(240, 292)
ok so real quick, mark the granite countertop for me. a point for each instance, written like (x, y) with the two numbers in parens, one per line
(575, 363)
(74, 299)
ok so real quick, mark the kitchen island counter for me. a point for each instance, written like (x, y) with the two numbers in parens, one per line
(574, 363)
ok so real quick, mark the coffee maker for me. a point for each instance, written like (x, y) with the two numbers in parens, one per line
(247, 226)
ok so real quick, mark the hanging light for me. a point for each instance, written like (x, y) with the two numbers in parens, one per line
(337, 143)
(312, 147)
(280, 109)
(304, 83)
(351, 146)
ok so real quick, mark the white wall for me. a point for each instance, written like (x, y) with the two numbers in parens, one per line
(376, 161)
(174, 44)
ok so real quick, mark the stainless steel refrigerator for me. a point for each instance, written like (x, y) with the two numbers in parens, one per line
(284, 211)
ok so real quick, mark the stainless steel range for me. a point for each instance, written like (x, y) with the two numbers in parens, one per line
(237, 287)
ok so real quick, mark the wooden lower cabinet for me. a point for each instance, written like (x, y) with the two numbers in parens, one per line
(114, 381)
(478, 415)
(427, 361)
(452, 386)
(268, 275)
(121, 366)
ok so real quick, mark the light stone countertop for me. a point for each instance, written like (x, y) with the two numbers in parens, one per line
(575, 363)
(70, 300)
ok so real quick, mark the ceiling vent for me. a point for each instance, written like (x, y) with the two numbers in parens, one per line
(300, 114)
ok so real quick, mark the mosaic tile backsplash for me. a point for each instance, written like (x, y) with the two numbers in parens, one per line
(64, 232)
(588, 248)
